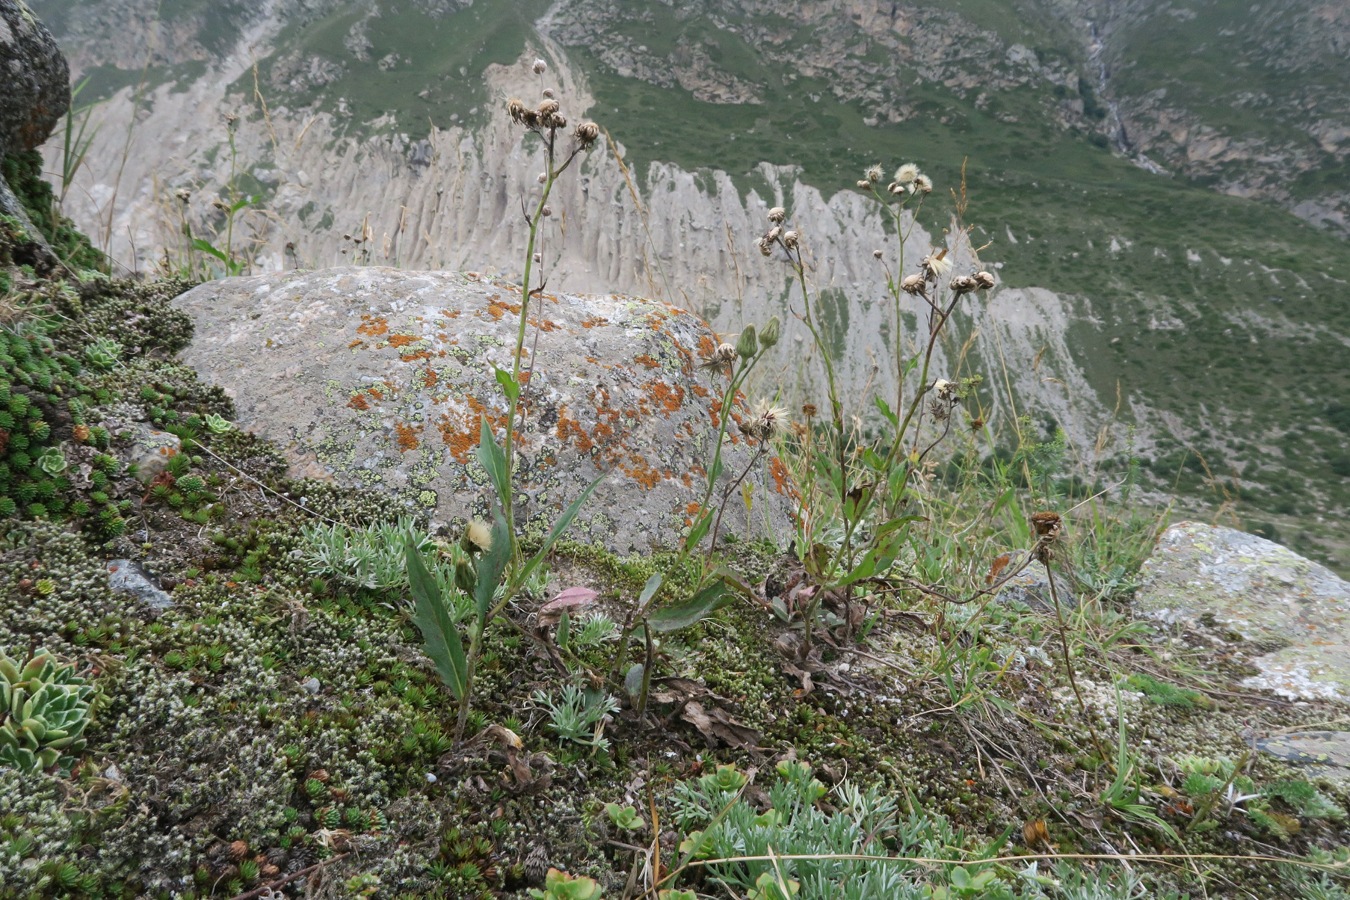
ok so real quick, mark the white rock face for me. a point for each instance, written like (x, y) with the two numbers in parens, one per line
(380, 378)
(455, 201)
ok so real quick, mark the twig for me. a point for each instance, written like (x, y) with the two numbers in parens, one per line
(259, 891)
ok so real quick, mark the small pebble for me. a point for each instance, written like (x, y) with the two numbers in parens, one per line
(311, 687)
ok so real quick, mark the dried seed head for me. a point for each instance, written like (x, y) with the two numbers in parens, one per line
(778, 215)
(543, 176)
(477, 537)
(947, 390)
(809, 410)
(764, 422)
(586, 133)
(864, 184)
(721, 358)
(935, 265)
(922, 184)
(220, 205)
(540, 67)
(906, 173)
(914, 284)
(765, 245)
(874, 173)
(238, 850)
(516, 109)
(557, 120)
(984, 280)
(791, 239)
(962, 284)
(1048, 525)
(539, 257)
(548, 92)
(876, 254)
(183, 195)
(231, 121)
(548, 107)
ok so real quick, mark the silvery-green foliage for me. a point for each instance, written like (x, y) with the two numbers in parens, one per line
(373, 558)
(863, 822)
(44, 709)
(579, 715)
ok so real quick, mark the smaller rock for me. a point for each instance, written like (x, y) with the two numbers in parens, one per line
(1326, 754)
(1291, 615)
(312, 686)
(126, 576)
(1032, 588)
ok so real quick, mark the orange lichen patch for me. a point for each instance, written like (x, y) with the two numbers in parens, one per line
(451, 313)
(430, 378)
(372, 326)
(354, 344)
(416, 355)
(782, 478)
(706, 347)
(569, 429)
(644, 474)
(647, 361)
(592, 360)
(544, 325)
(359, 401)
(693, 507)
(460, 437)
(593, 321)
(687, 479)
(496, 310)
(406, 437)
(700, 391)
(402, 340)
(663, 395)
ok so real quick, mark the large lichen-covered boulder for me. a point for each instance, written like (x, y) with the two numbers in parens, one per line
(1290, 614)
(34, 97)
(379, 378)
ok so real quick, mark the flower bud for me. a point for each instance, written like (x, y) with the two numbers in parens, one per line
(771, 333)
(466, 579)
(777, 215)
(748, 345)
(540, 67)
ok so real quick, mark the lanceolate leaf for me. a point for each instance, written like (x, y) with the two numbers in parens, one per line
(440, 637)
(491, 565)
(557, 530)
(681, 615)
(493, 458)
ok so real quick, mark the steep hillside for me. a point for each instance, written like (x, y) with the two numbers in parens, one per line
(1214, 325)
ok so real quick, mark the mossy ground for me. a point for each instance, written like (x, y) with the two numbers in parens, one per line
(275, 722)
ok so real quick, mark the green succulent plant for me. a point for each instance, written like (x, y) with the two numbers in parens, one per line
(44, 709)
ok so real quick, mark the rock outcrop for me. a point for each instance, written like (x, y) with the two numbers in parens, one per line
(35, 96)
(1289, 615)
(380, 378)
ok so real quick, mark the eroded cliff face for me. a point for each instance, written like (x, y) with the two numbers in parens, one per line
(454, 201)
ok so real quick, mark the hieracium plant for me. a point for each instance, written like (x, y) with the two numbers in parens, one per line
(495, 572)
(44, 708)
(864, 484)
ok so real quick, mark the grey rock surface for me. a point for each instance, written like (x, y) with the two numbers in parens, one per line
(1325, 754)
(126, 576)
(36, 79)
(1290, 615)
(379, 378)
(34, 95)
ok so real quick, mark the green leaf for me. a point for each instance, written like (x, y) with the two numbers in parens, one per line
(648, 592)
(559, 526)
(209, 248)
(493, 458)
(440, 637)
(492, 565)
(681, 615)
(508, 383)
(696, 533)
